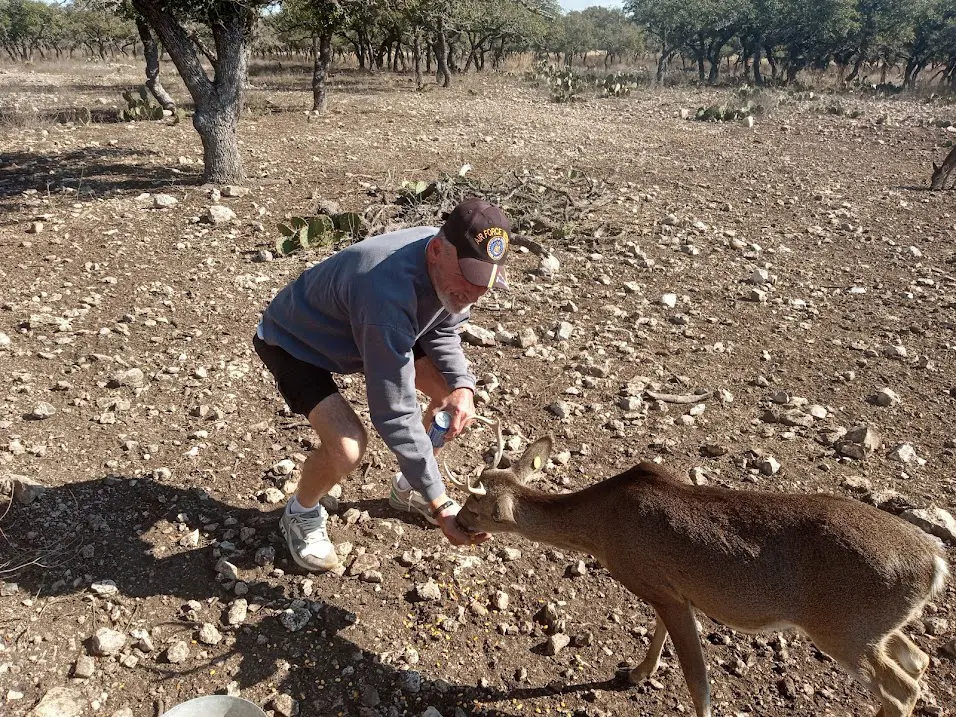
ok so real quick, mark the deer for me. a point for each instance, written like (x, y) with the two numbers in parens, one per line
(845, 574)
(942, 171)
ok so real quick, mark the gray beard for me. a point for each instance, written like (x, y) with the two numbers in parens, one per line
(449, 305)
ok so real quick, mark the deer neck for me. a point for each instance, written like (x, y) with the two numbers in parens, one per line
(558, 520)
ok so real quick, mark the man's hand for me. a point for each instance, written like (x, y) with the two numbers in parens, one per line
(448, 522)
(460, 403)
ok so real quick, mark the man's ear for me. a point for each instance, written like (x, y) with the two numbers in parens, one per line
(503, 510)
(533, 460)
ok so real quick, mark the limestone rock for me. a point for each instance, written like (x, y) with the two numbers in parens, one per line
(219, 214)
(933, 520)
(60, 702)
(107, 642)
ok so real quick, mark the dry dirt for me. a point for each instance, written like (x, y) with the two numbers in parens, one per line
(150, 479)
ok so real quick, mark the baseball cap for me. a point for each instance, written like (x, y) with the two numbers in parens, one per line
(481, 234)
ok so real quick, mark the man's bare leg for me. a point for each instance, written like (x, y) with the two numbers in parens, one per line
(343, 443)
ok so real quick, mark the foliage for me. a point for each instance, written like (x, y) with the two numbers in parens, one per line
(840, 109)
(565, 85)
(415, 191)
(318, 230)
(773, 40)
(725, 112)
(858, 36)
(619, 84)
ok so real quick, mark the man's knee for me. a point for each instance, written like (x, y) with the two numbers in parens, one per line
(344, 438)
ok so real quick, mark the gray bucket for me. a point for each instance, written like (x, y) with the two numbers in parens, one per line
(216, 706)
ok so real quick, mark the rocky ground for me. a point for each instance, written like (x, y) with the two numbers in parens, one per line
(795, 277)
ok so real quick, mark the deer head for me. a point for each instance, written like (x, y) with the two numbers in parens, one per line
(490, 507)
(938, 178)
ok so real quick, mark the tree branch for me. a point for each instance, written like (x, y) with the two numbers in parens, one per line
(206, 52)
(177, 43)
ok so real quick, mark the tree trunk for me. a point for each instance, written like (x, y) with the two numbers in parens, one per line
(772, 62)
(151, 54)
(322, 52)
(856, 67)
(218, 101)
(758, 76)
(443, 76)
(498, 55)
(359, 54)
(417, 50)
(451, 64)
(662, 66)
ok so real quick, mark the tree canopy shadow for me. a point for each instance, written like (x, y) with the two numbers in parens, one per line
(88, 171)
(132, 531)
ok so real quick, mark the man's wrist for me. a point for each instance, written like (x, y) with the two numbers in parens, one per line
(437, 511)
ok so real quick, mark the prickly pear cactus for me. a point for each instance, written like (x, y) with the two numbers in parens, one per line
(139, 107)
(319, 230)
(565, 86)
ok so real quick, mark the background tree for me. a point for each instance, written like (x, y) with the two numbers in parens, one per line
(614, 33)
(25, 25)
(669, 22)
(317, 22)
(217, 99)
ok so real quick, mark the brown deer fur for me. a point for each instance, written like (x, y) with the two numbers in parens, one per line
(845, 574)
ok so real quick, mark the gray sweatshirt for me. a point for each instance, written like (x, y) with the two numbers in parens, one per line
(362, 310)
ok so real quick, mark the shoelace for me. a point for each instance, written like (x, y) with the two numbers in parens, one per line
(313, 527)
(407, 499)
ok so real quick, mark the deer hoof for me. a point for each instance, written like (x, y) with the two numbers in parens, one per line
(640, 673)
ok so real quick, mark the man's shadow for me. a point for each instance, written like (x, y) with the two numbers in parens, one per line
(139, 533)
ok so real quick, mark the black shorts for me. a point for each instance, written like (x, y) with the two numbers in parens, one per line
(303, 385)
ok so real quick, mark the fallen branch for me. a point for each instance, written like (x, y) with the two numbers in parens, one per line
(529, 244)
(679, 398)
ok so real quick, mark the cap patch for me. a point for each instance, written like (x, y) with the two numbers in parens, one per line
(495, 240)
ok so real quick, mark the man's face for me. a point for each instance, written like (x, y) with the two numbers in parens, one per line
(456, 293)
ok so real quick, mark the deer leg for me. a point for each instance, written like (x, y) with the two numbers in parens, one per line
(652, 659)
(896, 689)
(680, 623)
(906, 653)
(876, 668)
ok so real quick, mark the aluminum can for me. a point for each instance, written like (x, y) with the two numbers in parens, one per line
(440, 425)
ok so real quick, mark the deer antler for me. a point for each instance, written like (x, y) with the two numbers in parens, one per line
(501, 439)
(469, 486)
(452, 476)
(479, 489)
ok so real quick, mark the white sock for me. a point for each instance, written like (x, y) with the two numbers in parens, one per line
(295, 507)
(401, 482)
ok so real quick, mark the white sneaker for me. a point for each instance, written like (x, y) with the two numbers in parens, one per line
(411, 501)
(308, 540)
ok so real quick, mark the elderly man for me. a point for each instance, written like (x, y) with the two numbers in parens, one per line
(388, 307)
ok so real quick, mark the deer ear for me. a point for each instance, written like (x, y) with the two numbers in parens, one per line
(533, 460)
(503, 510)
(935, 168)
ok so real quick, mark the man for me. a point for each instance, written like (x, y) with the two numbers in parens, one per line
(389, 307)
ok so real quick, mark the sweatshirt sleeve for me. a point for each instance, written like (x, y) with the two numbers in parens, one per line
(442, 345)
(393, 404)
